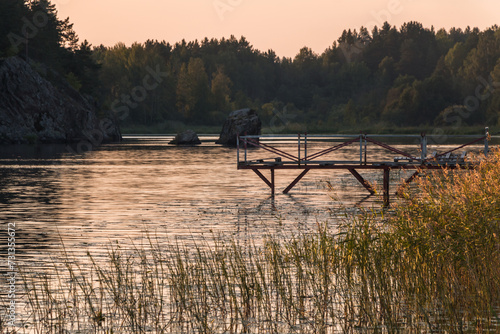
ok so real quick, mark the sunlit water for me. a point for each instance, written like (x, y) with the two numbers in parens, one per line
(124, 191)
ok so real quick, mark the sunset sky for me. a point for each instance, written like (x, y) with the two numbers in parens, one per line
(284, 26)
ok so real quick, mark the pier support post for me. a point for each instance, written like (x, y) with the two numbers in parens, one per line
(270, 184)
(386, 186)
(361, 180)
(297, 179)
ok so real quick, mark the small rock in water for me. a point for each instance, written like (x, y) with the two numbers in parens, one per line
(188, 137)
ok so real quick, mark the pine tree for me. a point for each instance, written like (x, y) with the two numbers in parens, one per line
(12, 39)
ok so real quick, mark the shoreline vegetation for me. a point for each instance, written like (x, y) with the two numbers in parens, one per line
(430, 264)
(407, 77)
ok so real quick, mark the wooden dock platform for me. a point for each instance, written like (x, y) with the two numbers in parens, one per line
(306, 156)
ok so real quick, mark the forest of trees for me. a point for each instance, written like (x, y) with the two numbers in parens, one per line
(409, 76)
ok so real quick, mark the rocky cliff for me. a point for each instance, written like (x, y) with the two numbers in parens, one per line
(32, 109)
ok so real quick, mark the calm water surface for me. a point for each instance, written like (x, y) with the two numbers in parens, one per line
(142, 185)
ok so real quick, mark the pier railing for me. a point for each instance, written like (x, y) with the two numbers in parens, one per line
(353, 152)
(281, 146)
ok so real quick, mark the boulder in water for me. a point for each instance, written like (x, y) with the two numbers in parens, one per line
(188, 137)
(239, 122)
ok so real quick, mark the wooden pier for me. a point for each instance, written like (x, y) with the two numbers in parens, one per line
(306, 156)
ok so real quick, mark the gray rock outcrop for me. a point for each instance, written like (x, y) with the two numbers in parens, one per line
(32, 109)
(239, 122)
(188, 137)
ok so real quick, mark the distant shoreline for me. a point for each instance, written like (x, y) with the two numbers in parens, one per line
(296, 129)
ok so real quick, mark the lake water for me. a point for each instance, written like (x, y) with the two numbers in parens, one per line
(122, 191)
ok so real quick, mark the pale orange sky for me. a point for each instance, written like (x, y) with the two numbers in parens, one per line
(284, 26)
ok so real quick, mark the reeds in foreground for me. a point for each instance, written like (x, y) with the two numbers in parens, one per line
(432, 266)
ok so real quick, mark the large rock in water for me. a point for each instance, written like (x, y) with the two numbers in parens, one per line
(239, 122)
(188, 137)
(32, 109)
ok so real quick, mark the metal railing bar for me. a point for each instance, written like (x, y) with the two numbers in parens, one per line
(390, 148)
(272, 149)
(331, 149)
(455, 149)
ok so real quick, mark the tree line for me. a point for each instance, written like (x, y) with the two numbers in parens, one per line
(389, 76)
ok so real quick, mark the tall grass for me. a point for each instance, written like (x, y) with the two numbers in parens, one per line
(451, 229)
(431, 266)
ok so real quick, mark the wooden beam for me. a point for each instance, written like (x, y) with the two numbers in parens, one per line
(269, 183)
(297, 179)
(259, 174)
(363, 182)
